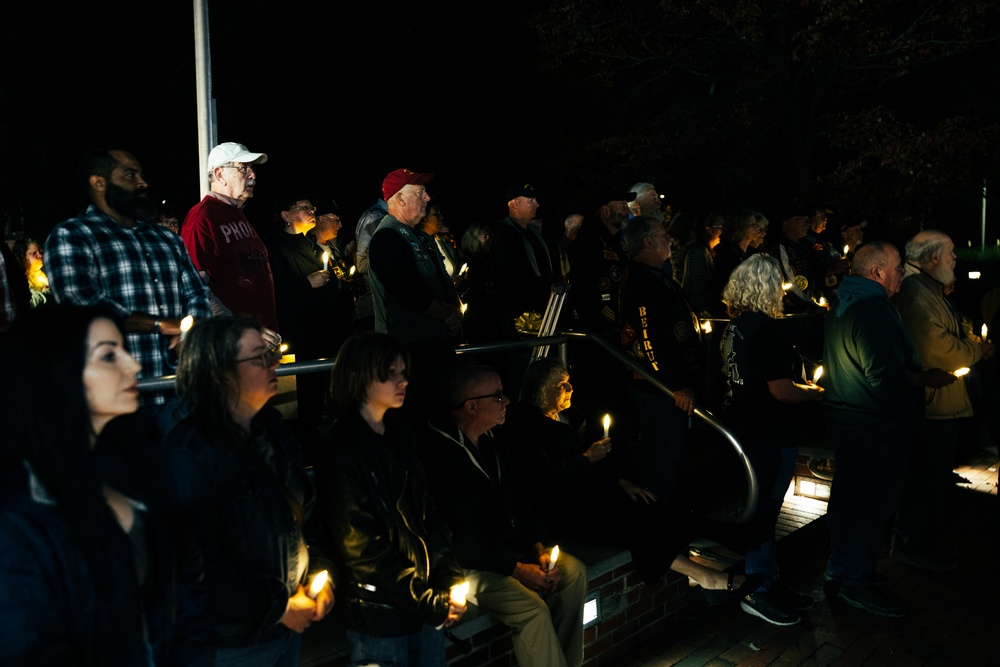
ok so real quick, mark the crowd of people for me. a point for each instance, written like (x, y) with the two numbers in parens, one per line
(198, 526)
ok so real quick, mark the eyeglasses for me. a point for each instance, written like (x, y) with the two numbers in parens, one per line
(497, 396)
(266, 359)
(242, 168)
(307, 209)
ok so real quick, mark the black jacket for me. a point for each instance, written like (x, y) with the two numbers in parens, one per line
(394, 551)
(490, 517)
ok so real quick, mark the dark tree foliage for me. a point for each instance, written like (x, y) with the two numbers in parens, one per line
(772, 101)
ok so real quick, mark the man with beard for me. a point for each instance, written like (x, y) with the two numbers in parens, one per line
(942, 342)
(225, 248)
(117, 257)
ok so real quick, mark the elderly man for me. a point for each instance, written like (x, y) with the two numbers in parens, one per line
(646, 201)
(413, 295)
(115, 256)
(659, 329)
(498, 540)
(523, 263)
(942, 341)
(873, 405)
(225, 248)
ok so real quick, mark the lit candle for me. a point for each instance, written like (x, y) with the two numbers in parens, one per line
(786, 286)
(553, 557)
(283, 348)
(187, 322)
(847, 249)
(817, 374)
(318, 582)
(706, 327)
(984, 331)
(961, 371)
(464, 308)
(822, 301)
(465, 267)
(459, 593)
(326, 259)
(352, 270)
(607, 425)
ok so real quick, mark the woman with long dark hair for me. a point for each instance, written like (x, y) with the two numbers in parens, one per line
(241, 486)
(395, 552)
(88, 574)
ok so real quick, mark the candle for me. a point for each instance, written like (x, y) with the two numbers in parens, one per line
(817, 374)
(984, 331)
(607, 425)
(318, 582)
(786, 286)
(464, 307)
(847, 249)
(465, 267)
(352, 270)
(961, 371)
(822, 301)
(706, 327)
(326, 259)
(459, 592)
(186, 325)
(553, 557)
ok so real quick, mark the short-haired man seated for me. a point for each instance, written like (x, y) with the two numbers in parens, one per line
(498, 540)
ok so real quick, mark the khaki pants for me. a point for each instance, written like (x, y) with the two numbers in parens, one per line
(547, 632)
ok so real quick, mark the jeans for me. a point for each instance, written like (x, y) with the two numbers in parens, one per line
(282, 652)
(420, 649)
(774, 467)
(663, 430)
(867, 482)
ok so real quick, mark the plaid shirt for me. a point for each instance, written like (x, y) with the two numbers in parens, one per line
(94, 261)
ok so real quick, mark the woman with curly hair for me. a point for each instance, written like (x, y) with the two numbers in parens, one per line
(764, 407)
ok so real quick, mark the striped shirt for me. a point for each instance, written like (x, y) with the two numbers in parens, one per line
(92, 260)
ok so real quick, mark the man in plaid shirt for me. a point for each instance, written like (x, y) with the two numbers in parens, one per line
(115, 256)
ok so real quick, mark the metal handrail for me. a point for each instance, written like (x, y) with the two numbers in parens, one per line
(321, 365)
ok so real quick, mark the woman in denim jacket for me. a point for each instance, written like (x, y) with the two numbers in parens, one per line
(241, 487)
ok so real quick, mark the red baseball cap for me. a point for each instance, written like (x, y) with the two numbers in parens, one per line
(395, 181)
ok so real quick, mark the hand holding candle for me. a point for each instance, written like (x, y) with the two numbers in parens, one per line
(187, 322)
(318, 582)
(459, 594)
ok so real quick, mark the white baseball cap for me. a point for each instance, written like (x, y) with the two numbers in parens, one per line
(233, 152)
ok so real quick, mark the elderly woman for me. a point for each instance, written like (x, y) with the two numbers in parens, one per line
(582, 494)
(240, 484)
(89, 574)
(763, 406)
(394, 549)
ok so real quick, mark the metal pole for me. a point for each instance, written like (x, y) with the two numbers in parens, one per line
(982, 222)
(203, 76)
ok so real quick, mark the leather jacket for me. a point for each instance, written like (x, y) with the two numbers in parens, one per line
(395, 553)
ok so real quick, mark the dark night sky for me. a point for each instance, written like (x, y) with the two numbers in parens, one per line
(336, 98)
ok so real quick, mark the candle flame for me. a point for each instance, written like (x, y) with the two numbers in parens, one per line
(786, 286)
(847, 249)
(186, 323)
(985, 330)
(459, 592)
(464, 308)
(607, 422)
(326, 258)
(318, 582)
(961, 371)
(822, 301)
(352, 270)
(553, 557)
(706, 327)
(817, 374)
(465, 267)
(283, 348)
